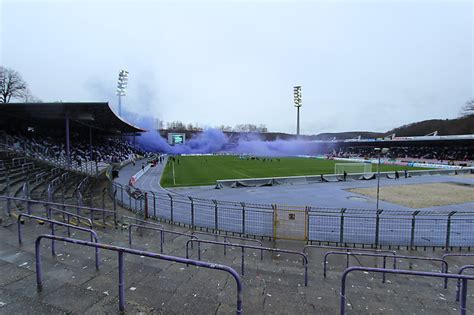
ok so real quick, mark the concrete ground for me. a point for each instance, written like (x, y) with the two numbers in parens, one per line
(272, 286)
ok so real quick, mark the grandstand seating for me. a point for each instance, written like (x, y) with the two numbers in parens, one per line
(444, 155)
(104, 151)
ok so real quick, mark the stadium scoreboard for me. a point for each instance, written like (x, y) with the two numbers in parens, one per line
(176, 138)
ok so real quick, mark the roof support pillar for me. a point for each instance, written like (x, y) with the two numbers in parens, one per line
(90, 142)
(68, 153)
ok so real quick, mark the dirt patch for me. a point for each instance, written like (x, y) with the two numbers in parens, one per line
(422, 195)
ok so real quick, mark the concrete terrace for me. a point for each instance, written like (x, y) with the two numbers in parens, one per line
(272, 286)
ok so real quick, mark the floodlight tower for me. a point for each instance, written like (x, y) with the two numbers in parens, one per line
(297, 103)
(121, 87)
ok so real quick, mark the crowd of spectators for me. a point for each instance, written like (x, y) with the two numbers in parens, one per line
(447, 155)
(102, 150)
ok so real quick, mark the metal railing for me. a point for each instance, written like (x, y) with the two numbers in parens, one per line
(346, 227)
(162, 233)
(123, 250)
(243, 247)
(122, 221)
(66, 215)
(458, 285)
(48, 204)
(53, 223)
(349, 249)
(444, 264)
(228, 237)
(463, 278)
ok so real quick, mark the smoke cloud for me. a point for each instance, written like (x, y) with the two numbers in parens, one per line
(276, 148)
(214, 140)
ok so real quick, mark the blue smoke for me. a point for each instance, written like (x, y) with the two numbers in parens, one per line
(214, 140)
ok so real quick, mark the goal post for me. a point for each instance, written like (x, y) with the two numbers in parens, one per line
(349, 168)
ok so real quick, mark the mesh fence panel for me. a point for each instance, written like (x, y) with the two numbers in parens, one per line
(230, 218)
(182, 211)
(259, 222)
(430, 231)
(163, 207)
(204, 214)
(462, 231)
(359, 229)
(395, 230)
(324, 227)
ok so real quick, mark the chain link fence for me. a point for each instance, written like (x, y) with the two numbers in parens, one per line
(440, 228)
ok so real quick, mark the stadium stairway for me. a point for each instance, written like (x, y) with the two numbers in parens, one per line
(273, 285)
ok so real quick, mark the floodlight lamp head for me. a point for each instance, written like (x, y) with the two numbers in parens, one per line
(297, 96)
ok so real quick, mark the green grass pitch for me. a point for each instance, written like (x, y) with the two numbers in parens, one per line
(205, 170)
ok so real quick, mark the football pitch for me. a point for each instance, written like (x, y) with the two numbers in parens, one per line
(205, 170)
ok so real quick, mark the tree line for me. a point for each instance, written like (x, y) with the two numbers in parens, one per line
(13, 87)
(180, 126)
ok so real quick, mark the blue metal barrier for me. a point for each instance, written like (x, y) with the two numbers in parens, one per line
(121, 251)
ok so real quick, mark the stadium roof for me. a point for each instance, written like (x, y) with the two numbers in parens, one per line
(97, 115)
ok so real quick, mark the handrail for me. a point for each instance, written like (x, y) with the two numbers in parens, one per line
(161, 230)
(43, 202)
(444, 263)
(243, 246)
(349, 249)
(121, 251)
(461, 270)
(455, 255)
(140, 220)
(232, 237)
(70, 214)
(463, 278)
(94, 236)
(352, 249)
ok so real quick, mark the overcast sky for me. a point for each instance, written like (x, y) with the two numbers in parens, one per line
(363, 65)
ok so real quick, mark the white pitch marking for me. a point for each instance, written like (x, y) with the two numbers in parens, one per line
(241, 173)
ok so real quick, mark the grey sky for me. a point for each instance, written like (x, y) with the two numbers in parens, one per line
(363, 65)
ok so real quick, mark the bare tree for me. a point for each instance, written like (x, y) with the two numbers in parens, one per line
(28, 97)
(468, 108)
(11, 85)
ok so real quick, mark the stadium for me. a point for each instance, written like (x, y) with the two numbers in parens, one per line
(251, 157)
(287, 224)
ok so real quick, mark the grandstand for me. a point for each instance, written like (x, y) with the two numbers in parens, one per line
(118, 245)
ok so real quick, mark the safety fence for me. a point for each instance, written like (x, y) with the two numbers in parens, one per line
(121, 265)
(367, 270)
(410, 228)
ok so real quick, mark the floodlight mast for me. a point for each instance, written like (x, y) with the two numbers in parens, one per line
(121, 87)
(298, 103)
